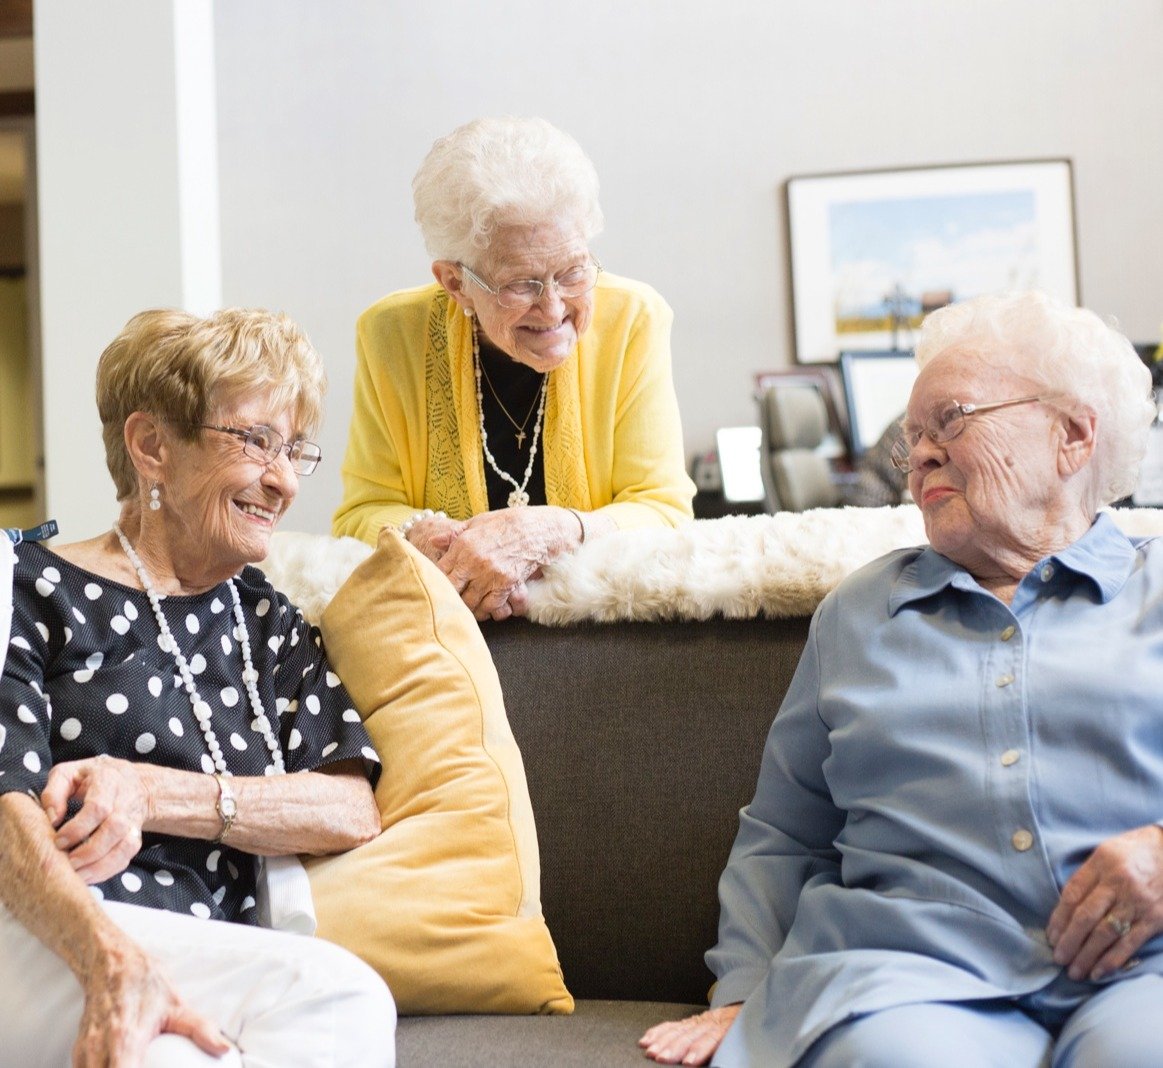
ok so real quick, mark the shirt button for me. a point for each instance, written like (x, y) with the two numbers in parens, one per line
(1022, 840)
(1008, 633)
(1004, 680)
(1047, 573)
(1010, 756)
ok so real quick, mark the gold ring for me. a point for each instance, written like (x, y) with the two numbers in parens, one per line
(1122, 928)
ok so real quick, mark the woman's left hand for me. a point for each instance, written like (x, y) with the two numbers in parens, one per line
(1111, 905)
(105, 834)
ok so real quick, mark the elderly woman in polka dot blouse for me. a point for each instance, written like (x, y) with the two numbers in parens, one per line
(155, 693)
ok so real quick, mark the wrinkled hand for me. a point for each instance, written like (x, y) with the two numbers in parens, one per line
(690, 1041)
(1121, 883)
(433, 536)
(105, 834)
(128, 1003)
(492, 557)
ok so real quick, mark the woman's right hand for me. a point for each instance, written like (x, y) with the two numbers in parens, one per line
(690, 1041)
(105, 833)
(434, 535)
(128, 1003)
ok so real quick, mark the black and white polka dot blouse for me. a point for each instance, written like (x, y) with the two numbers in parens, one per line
(85, 675)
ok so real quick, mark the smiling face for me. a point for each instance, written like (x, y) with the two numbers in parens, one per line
(219, 505)
(991, 498)
(543, 335)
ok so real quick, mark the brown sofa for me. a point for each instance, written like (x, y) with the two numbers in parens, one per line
(641, 741)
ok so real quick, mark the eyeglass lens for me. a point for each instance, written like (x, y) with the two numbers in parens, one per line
(263, 443)
(943, 426)
(527, 291)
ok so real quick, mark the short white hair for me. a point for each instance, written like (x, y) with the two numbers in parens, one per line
(1072, 356)
(499, 172)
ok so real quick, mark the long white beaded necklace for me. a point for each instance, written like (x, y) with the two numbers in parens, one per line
(518, 498)
(249, 675)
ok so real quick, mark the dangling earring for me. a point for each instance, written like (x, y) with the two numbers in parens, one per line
(155, 498)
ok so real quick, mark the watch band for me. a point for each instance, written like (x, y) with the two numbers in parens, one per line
(226, 806)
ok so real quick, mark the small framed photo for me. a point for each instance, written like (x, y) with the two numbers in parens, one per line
(873, 252)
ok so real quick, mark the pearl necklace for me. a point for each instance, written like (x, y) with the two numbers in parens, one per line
(249, 675)
(518, 498)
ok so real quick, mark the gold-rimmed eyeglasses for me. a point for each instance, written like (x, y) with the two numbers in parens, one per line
(264, 444)
(945, 424)
(525, 292)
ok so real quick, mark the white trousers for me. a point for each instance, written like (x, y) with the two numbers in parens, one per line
(283, 1000)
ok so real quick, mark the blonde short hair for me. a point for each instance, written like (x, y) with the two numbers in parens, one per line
(496, 172)
(182, 369)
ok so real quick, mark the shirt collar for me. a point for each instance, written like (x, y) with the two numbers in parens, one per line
(1104, 556)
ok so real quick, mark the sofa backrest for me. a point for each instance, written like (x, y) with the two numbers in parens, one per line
(641, 742)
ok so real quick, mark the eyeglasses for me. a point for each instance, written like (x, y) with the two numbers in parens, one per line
(264, 444)
(943, 426)
(526, 292)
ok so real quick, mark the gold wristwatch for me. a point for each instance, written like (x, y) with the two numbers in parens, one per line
(226, 806)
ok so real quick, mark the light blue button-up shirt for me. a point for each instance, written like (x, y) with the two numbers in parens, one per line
(941, 765)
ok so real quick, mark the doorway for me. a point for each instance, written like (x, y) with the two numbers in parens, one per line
(21, 452)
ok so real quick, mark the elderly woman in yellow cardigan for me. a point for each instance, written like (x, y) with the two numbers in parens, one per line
(523, 404)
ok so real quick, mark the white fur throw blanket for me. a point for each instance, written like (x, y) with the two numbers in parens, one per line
(740, 566)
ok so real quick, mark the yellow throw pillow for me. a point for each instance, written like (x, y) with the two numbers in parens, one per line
(446, 903)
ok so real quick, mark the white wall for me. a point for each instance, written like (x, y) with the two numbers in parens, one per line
(128, 213)
(695, 115)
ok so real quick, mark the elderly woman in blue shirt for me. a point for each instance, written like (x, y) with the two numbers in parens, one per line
(954, 853)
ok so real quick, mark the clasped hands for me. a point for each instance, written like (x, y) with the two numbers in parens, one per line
(488, 558)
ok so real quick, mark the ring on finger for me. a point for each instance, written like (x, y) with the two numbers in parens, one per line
(1122, 928)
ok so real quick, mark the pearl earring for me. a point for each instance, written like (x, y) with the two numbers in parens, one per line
(468, 313)
(155, 498)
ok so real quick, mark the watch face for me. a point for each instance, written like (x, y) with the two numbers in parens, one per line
(228, 808)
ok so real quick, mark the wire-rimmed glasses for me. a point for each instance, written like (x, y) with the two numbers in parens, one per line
(945, 424)
(525, 292)
(263, 443)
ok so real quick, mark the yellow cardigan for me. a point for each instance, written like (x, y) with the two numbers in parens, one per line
(612, 436)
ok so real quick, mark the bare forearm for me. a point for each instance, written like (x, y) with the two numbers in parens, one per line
(41, 890)
(311, 812)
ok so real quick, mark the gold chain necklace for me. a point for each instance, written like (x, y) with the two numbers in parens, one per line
(519, 427)
(519, 497)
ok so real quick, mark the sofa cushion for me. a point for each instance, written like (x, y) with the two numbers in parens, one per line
(642, 741)
(445, 903)
(599, 1033)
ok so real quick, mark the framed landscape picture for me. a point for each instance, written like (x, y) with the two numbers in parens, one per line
(873, 252)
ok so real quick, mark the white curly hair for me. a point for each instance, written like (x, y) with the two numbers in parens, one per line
(1073, 357)
(499, 172)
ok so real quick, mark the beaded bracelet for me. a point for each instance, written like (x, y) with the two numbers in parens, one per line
(416, 517)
